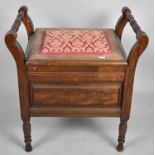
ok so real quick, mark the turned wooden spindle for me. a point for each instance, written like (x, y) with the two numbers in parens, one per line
(27, 135)
(121, 138)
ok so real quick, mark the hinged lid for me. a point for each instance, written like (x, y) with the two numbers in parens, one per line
(75, 46)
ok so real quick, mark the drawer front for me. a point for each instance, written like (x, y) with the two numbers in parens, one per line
(75, 94)
(77, 73)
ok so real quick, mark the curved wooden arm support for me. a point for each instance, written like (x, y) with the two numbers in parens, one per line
(136, 51)
(15, 48)
(19, 56)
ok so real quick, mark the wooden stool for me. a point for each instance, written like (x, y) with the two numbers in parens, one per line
(75, 72)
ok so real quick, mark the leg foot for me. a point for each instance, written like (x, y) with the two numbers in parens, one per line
(27, 135)
(121, 138)
(28, 148)
(120, 147)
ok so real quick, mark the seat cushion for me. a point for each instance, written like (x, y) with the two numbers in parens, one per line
(75, 42)
(97, 45)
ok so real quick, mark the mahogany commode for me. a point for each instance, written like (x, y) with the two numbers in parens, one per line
(75, 72)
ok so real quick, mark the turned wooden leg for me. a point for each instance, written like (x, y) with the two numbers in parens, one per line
(27, 135)
(121, 138)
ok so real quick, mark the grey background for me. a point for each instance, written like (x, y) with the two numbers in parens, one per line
(69, 136)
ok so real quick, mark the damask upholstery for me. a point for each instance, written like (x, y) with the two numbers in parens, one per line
(75, 42)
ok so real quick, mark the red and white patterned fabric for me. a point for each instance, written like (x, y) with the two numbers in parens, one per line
(75, 42)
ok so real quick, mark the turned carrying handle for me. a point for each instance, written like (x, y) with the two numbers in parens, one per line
(11, 36)
(23, 17)
(127, 13)
(18, 21)
(124, 19)
(142, 38)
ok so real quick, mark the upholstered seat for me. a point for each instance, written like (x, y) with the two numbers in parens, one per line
(101, 45)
